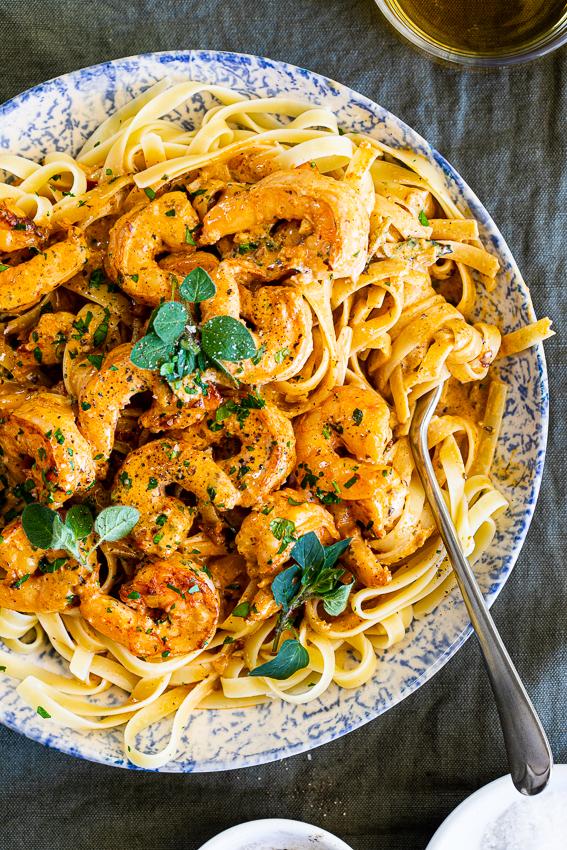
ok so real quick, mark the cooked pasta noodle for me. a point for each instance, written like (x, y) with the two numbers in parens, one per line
(354, 274)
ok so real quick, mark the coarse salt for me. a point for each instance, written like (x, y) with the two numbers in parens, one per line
(537, 823)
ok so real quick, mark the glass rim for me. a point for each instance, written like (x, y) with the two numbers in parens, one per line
(431, 49)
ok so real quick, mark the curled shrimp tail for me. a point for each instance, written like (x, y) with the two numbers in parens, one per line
(21, 285)
(168, 608)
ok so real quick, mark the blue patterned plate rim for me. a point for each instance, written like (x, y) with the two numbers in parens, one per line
(22, 720)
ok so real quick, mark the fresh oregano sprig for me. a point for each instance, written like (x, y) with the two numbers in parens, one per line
(312, 576)
(178, 345)
(45, 529)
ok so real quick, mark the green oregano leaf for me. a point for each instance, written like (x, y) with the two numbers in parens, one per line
(150, 352)
(285, 586)
(334, 552)
(225, 338)
(80, 521)
(169, 322)
(116, 522)
(17, 584)
(291, 658)
(323, 582)
(252, 402)
(37, 522)
(335, 601)
(308, 551)
(314, 576)
(198, 286)
(64, 538)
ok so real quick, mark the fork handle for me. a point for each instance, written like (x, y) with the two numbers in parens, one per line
(527, 747)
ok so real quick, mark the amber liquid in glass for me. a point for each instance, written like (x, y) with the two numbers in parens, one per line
(484, 26)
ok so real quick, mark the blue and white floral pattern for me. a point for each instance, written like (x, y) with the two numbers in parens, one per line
(59, 115)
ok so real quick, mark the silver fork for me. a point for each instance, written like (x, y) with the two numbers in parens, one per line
(527, 747)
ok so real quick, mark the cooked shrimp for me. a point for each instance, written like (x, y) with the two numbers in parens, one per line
(179, 410)
(169, 608)
(230, 579)
(263, 605)
(97, 235)
(336, 222)
(206, 191)
(111, 388)
(36, 580)
(165, 224)
(13, 394)
(17, 231)
(264, 246)
(359, 557)
(141, 481)
(380, 516)
(259, 540)
(44, 429)
(256, 162)
(381, 510)
(351, 419)
(183, 264)
(45, 344)
(279, 314)
(22, 284)
(345, 452)
(105, 395)
(95, 330)
(265, 453)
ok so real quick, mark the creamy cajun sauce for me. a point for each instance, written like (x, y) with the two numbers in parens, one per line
(468, 400)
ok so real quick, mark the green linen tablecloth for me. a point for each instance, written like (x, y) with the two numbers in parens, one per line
(389, 784)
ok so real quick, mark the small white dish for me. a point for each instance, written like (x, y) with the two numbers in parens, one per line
(275, 834)
(466, 825)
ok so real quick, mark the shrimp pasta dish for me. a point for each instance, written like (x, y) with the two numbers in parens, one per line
(212, 342)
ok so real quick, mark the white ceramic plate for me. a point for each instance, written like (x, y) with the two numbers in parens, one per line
(465, 827)
(60, 114)
(275, 834)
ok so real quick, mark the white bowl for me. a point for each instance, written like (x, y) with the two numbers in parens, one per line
(465, 827)
(60, 114)
(275, 834)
